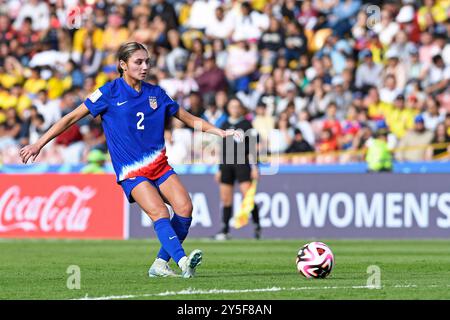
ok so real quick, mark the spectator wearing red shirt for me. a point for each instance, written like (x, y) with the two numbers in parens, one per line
(407, 20)
(69, 136)
(325, 147)
(350, 127)
(327, 142)
(71, 145)
(308, 14)
(331, 122)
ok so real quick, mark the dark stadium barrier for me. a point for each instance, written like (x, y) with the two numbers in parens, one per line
(61, 206)
(326, 206)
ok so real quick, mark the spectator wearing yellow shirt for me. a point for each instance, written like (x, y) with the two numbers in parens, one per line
(3, 94)
(34, 83)
(2, 118)
(89, 30)
(14, 98)
(23, 101)
(8, 80)
(108, 73)
(434, 8)
(114, 36)
(55, 85)
(7, 100)
(447, 123)
(185, 12)
(12, 73)
(376, 48)
(260, 4)
(377, 109)
(399, 118)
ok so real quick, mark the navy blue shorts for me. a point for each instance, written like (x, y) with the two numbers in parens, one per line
(129, 184)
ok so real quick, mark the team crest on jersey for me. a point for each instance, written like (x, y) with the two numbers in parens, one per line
(153, 103)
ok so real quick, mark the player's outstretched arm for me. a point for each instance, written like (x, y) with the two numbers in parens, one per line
(32, 150)
(198, 123)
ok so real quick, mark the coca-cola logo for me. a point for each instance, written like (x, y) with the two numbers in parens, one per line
(65, 210)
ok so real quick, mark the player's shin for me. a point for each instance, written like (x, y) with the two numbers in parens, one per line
(181, 227)
(255, 215)
(169, 239)
(255, 218)
(227, 213)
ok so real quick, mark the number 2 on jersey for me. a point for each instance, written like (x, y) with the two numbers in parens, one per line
(140, 126)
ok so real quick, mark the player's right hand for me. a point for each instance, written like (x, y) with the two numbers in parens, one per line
(29, 151)
(238, 135)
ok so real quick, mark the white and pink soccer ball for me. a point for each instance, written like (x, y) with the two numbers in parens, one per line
(315, 260)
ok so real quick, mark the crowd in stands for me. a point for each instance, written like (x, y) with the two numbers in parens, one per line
(319, 77)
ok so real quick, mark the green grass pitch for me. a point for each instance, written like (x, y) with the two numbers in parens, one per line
(236, 269)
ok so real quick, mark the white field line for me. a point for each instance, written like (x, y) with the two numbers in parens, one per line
(190, 291)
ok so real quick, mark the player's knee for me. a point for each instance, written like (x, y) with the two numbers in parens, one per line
(227, 200)
(157, 212)
(184, 208)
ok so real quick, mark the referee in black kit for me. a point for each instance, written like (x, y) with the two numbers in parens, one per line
(239, 162)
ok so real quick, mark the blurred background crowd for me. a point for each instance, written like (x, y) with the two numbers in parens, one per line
(322, 80)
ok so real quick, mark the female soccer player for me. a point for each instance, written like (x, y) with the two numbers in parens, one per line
(240, 165)
(133, 115)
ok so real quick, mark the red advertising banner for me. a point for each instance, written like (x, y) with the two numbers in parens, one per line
(61, 206)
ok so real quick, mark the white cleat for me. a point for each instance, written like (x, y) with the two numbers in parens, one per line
(160, 268)
(192, 262)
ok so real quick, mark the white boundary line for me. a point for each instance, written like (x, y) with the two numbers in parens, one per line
(191, 291)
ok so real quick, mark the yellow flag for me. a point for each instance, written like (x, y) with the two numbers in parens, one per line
(246, 208)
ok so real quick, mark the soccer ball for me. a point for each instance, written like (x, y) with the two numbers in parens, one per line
(315, 260)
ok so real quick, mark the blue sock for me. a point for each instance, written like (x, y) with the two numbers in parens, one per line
(181, 227)
(169, 239)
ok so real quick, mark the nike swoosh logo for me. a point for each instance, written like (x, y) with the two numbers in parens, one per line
(121, 103)
(170, 238)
